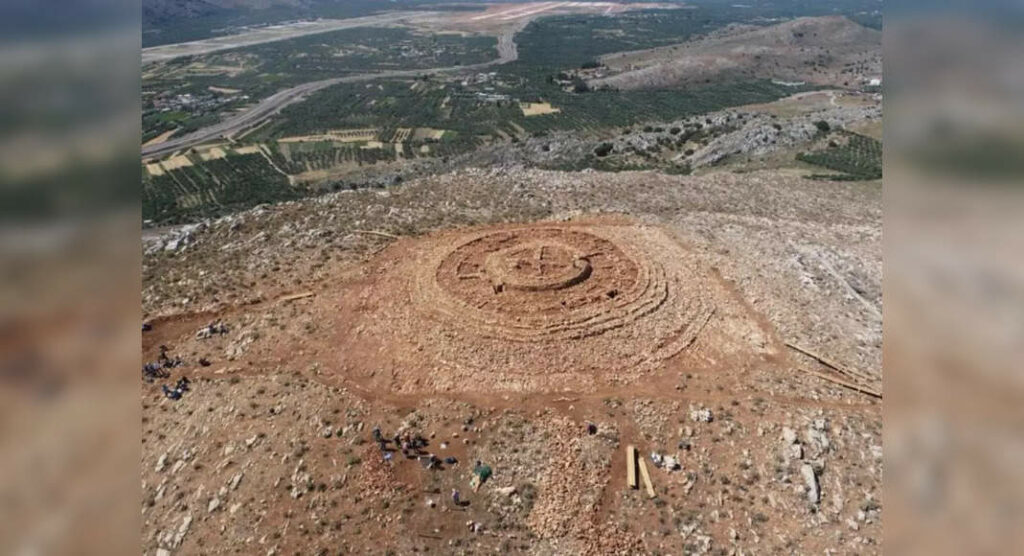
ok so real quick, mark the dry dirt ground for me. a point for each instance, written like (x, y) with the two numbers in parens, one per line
(497, 313)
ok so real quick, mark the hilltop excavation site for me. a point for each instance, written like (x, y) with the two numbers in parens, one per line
(520, 360)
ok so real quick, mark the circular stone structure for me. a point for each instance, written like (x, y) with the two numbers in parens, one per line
(539, 284)
(540, 307)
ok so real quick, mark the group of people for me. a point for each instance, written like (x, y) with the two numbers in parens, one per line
(153, 371)
(411, 445)
(158, 369)
(212, 329)
(180, 388)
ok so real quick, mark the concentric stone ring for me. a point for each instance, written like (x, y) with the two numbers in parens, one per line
(526, 307)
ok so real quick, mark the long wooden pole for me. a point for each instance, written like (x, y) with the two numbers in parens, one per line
(631, 466)
(830, 364)
(841, 382)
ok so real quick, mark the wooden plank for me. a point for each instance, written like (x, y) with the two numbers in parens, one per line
(295, 296)
(631, 466)
(646, 477)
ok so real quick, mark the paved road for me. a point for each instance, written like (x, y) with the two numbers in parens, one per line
(273, 104)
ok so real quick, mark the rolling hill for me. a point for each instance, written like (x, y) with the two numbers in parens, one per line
(833, 51)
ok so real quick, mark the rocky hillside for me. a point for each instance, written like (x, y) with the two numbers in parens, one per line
(821, 50)
(269, 449)
(696, 143)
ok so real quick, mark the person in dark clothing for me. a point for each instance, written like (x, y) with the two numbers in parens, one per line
(172, 394)
(418, 442)
(430, 461)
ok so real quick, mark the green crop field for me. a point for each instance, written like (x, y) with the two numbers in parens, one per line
(855, 156)
(464, 110)
(261, 70)
(296, 158)
(572, 40)
(213, 188)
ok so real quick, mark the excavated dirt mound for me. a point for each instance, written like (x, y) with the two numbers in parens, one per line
(540, 307)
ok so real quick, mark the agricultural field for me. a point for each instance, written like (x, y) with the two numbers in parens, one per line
(298, 158)
(570, 41)
(214, 180)
(193, 91)
(494, 110)
(384, 130)
(538, 108)
(187, 186)
(574, 40)
(855, 156)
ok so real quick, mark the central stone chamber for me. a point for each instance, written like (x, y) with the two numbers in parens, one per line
(536, 282)
(539, 266)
